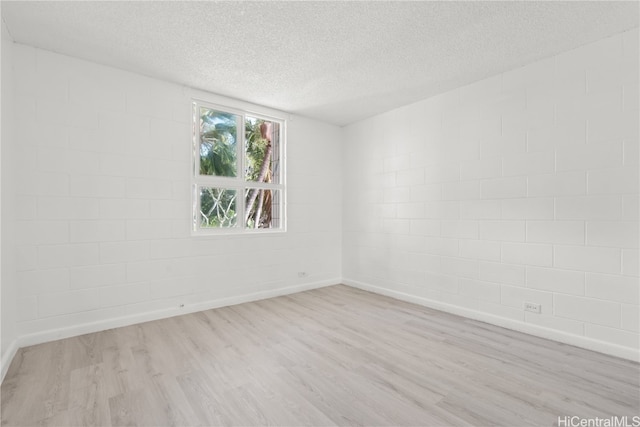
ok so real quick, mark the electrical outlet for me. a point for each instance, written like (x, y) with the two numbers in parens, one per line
(532, 307)
(302, 274)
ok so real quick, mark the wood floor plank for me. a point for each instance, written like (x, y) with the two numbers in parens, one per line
(330, 356)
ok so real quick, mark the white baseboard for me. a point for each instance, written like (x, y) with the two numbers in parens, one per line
(563, 337)
(7, 357)
(75, 330)
(516, 325)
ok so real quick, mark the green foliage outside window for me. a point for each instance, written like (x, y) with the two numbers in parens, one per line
(218, 157)
(218, 135)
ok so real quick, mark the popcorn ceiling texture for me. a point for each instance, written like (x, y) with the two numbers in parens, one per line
(334, 61)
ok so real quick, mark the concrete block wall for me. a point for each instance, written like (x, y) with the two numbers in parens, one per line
(522, 187)
(102, 194)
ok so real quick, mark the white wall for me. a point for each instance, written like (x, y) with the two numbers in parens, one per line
(103, 204)
(520, 187)
(8, 331)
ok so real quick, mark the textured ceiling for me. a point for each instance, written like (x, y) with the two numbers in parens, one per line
(334, 61)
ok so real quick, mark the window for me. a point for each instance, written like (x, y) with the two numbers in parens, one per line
(238, 177)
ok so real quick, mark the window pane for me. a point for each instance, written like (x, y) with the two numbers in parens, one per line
(217, 207)
(218, 137)
(262, 150)
(262, 208)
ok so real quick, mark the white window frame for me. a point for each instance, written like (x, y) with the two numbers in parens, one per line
(237, 183)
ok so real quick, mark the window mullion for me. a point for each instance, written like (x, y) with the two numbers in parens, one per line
(263, 185)
(195, 137)
(240, 174)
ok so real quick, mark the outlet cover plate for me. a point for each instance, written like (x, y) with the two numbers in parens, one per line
(532, 307)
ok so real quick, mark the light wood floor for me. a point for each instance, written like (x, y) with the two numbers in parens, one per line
(332, 356)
